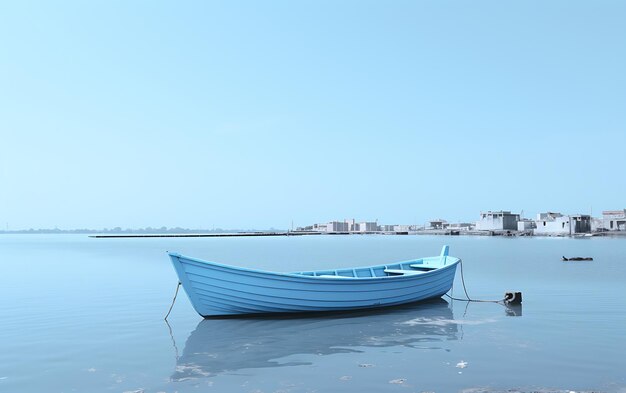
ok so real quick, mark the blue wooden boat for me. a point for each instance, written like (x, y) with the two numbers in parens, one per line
(215, 289)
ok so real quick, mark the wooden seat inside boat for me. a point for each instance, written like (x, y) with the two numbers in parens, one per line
(403, 272)
(333, 276)
(422, 267)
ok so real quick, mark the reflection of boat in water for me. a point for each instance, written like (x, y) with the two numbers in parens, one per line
(223, 345)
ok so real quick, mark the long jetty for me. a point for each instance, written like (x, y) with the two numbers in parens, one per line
(235, 234)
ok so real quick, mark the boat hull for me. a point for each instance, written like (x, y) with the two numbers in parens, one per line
(222, 290)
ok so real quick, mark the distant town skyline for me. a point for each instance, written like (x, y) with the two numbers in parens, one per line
(254, 115)
(368, 224)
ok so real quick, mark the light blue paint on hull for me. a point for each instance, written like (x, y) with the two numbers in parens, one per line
(218, 290)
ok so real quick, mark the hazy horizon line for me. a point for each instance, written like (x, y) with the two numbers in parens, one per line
(133, 230)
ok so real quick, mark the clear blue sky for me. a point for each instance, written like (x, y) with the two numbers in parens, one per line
(250, 114)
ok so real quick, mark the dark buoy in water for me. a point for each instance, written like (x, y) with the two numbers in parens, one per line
(513, 297)
(577, 259)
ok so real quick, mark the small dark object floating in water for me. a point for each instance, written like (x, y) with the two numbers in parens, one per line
(578, 259)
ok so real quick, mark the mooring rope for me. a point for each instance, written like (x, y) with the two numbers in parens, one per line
(173, 301)
(466, 295)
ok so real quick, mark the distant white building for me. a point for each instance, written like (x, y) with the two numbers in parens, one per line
(525, 225)
(343, 226)
(351, 224)
(581, 223)
(498, 220)
(597, 224)
(319, 227)
(402, 228)
(337, 226)
(387, 228)
(367, 227)
(614, 220)
(461, 226)
(438, 224)
(552, 223)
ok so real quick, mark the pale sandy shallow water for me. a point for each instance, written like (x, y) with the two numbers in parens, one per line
(85, 315)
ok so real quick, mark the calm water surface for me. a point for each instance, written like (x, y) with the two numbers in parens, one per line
(86, 315)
